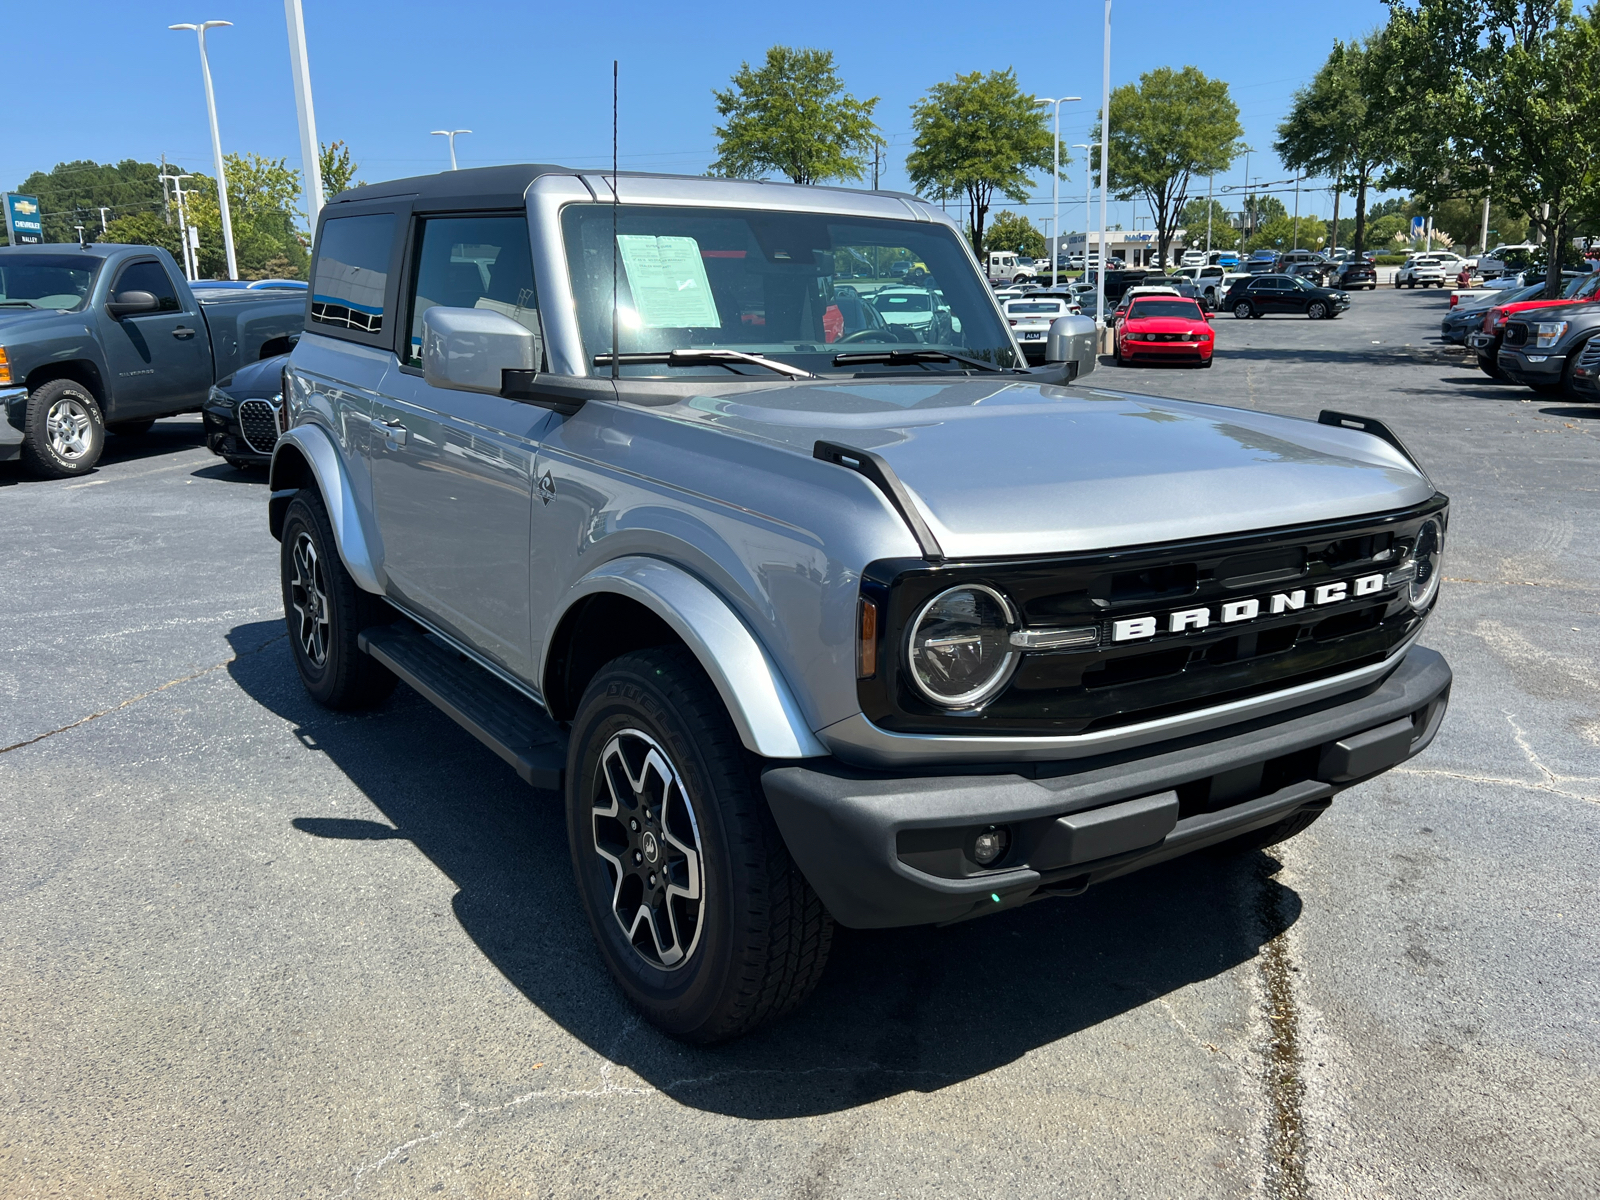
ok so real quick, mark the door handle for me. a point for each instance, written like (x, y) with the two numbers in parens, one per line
(182, 331)
(392, 431)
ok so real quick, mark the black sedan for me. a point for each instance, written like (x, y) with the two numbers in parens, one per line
(1267, 294)
(241, 413)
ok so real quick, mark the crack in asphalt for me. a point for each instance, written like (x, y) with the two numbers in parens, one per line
(171, 683)
(1285, 1165)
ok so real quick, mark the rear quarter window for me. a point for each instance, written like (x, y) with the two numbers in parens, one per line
(351, 279)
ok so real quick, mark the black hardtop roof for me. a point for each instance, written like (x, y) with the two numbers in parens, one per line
(503, 187)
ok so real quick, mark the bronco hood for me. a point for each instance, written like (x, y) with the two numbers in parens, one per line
(1007, 467)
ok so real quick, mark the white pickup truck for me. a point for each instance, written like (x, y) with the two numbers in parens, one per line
(1007, 267)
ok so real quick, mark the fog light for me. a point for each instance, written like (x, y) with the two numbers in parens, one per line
(989, 846)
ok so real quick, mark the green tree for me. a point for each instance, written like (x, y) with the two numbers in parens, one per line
(1167, 129)
(1283, 233)
(144, 229)
(338, 171)
(977, 135)
(73, 193)
(1501, 97)
(1193, 221)
(793, 115)
(1335, 129)
(1011, 232)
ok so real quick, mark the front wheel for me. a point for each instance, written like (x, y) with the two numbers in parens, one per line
(1318, 311)
(700, 914)
(326, 612)
(1243, 309)
(63, 432)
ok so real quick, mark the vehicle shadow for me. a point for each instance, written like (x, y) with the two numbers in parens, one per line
(1581, 414)
(164, 437)
(230, 474)
(899, 1010)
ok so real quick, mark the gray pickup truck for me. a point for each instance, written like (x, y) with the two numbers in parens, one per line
(812, 604)
(107, 338)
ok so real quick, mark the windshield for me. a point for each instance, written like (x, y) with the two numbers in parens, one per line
(773, 284)
(1165, 308)
(46, 281)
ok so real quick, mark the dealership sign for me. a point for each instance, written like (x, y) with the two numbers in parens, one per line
(23, 222)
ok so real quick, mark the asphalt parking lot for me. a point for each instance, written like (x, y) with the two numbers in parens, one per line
(251, 948)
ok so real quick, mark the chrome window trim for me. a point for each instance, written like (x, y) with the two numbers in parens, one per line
(857, 740)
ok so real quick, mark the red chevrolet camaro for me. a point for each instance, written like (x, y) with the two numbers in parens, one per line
(1164, 329)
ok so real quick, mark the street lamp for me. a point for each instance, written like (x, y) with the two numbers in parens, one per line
(216, 142)
(189, 263)
(310, 154)
(451, 134)
(1055, 184)
(1088, 198)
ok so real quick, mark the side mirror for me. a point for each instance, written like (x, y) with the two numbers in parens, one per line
(1072, 340)
(468, 349)
(131, 304)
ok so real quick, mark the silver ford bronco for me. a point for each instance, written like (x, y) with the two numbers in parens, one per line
(732, 512)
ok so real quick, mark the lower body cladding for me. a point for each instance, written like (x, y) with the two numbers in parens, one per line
(886, 850)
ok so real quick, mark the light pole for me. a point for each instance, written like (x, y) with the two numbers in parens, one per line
(216, 142)
(451, 134)
(1055, 184)
(183, 223)
(310, 154)
(1210, 205)
(1105, 140)
(103, 211)
(1088, 195)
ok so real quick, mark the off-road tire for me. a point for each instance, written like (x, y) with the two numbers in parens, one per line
(131, 429)
(50, 455)
(332, 667)
(763, 936)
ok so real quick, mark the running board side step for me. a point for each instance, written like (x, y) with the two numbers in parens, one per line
(500, 717)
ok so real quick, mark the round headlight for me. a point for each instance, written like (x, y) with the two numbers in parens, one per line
(1427, 555)
(960, 650)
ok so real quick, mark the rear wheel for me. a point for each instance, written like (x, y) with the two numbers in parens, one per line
(63, 432)
(326, 612)
(700, 914)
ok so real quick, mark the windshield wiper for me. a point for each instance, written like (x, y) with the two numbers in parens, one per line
(898, 357)
(690, 358)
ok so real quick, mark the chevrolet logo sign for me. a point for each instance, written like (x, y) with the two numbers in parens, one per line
(24, 207)
(1237, 612)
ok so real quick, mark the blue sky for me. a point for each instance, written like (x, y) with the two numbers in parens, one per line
(533, 80)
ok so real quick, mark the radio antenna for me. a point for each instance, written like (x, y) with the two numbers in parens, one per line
(616, 330)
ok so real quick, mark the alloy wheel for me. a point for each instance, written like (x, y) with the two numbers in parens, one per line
(69, 427)
(308, 594)
(645, 831)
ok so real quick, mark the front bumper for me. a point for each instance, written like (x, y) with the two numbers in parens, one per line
(1532, 369)
(13, 409)
(1157, 351)
(885, 850)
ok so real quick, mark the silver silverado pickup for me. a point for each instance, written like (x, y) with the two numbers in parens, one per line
(108, 338)
(812, 615)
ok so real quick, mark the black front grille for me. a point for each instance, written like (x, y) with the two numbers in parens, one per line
(1161, 337)
(258, 422)
(1113, 683)
(1516, 334)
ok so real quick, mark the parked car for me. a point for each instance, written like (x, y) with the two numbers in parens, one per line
(1312, 272)
(1420, 270)
(1541, 348)
(107, 338)
(1487, 341)
(911, 307)
(1467, 317)
(1193, 258)
(1352, 273)
(1508, 259)
(1030, 319)
(1262, 263)
(1163, 329)
(885, 633)
(1262, 295)
(1207, 278)
(242, 413)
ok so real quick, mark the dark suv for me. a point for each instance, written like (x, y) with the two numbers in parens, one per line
(1355, 273)
(1265, 294)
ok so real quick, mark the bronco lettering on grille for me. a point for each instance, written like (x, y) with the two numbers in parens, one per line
(1235, 612)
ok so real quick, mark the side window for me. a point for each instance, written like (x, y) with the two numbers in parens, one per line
(148, 276)
(352, 272)
(473, 262)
